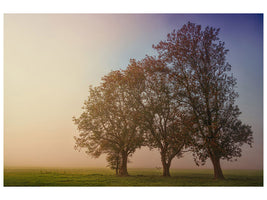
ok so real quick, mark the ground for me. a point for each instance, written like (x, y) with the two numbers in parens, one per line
(138, 177)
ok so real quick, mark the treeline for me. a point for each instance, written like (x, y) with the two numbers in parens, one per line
(181, 99)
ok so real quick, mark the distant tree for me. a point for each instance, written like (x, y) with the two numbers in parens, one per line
(114, 161)
(110, 122)
(160, 110)
(206, 88)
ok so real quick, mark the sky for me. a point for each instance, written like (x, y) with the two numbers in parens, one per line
(51, 59)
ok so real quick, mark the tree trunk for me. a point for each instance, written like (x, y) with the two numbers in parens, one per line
(117, 165)
(117, 170)
(123, 168)
(165, 165)
(218, 174)
(166, 170)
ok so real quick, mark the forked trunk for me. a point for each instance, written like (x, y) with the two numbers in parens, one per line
(166, 170)
(123, 168)
(166, 165)
(218, 174)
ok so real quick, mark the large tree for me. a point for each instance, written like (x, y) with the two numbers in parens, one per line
(160, 110)
(207, 89)
(110, 122)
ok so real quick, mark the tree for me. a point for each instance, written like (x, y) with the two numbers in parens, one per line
(160, 110)
(110, 123)
(114, 161)
(207, 89)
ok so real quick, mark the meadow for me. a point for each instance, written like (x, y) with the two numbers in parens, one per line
(137, 177)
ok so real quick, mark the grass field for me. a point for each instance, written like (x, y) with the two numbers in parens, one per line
(138, 177)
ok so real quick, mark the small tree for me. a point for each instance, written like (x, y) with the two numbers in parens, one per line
(160, 110)
(203, 83)
(114, 161)
(110, 123)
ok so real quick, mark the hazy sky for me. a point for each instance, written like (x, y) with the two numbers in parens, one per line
(50, 60)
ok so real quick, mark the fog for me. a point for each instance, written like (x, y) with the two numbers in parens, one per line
(50, 61)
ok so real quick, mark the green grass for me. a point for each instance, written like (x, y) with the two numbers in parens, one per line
(138, 177)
